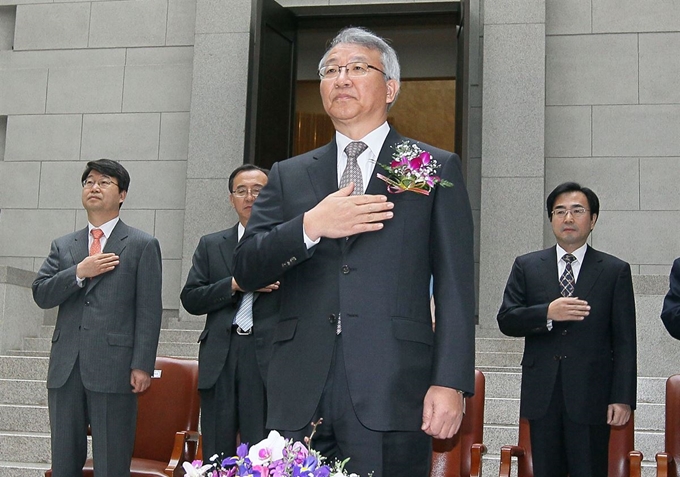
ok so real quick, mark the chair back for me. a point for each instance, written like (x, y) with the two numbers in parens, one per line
(170, 404)
(452, 457)
(621, 442)
(673, 423)
(525, 462)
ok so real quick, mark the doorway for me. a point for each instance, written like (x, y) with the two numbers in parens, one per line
(425, 36)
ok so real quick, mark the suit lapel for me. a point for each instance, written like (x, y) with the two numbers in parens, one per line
(79, 247)
(323, 171)
(375, 185)
(549, 274)
(591, 268)
(116, 243)
(227, 246)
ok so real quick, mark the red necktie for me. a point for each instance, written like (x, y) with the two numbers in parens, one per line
(96, 246)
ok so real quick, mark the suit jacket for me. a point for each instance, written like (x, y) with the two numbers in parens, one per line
(112, 324)
(670, 314)
(597, 355)
(208, 291)
(378, 281)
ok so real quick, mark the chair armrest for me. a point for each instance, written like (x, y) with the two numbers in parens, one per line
(663, 462)
(476, 453)
(507, 453)
(635, 458)
(180, 452)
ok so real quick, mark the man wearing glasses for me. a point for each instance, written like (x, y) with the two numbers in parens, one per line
(234, 351)
(575, 308)
(354, 344)
(106, 281)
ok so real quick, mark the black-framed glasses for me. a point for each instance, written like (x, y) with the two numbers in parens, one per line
(241, 192)
(354, 70)
(102, 183)
(576, 212)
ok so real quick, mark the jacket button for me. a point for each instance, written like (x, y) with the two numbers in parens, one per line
(556, 357)
(345, 269)
(87, 303)
(564, 332)
(331, 318)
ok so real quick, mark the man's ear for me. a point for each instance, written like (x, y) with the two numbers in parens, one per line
(593, 219)
(392, 90)
(123, 195)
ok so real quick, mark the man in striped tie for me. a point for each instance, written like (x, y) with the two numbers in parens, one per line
(234, 350)
(575, 307)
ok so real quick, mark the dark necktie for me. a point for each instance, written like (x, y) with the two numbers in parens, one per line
(352, 172)
(567, 279)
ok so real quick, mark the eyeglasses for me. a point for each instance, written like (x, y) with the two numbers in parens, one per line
(354, 70)
(102, 183)
(241, 192)
(576, 212)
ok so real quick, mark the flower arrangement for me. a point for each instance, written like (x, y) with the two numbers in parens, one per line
(412, 169)
(274, 456)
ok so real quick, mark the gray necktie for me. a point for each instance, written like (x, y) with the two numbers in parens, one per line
(244, 315)
(352, 172)
(567, 279)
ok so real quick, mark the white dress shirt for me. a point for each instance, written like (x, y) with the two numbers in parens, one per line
(107, 228)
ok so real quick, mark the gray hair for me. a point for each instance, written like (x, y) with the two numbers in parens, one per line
(368, 39)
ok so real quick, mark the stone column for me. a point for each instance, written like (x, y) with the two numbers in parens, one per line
(513, 162)
(217, 121)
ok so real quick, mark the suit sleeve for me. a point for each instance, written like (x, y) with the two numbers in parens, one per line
(201, 296)
(148, 307)
(670, 314)
(53, 286)
(272, 244)
(452, 265)
(624, 340)
(516, 316)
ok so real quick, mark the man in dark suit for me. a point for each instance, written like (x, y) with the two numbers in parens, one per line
(575, 307)
(106, 335)
(670, 314)
(354, 344)
(233, 357)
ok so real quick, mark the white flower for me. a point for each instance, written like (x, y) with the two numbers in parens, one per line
(267, 450)
(191, 471)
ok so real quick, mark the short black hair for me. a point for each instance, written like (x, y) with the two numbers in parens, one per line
(109, 168)
(243, 168)
(593, 201)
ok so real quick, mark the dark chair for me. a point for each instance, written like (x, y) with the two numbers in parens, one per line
(461, 456)
(667, 461)
(623, 460)
(167, 422)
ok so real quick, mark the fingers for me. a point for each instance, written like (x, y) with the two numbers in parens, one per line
(270, 288)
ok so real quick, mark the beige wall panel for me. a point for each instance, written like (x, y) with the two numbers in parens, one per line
(167, 55)
(157, 88)
(142, 219)
(181, 22)
(52, 26)
(644, 130)
(23, 91)
(28, 233)
(62, 58)
(635, 16)
(659, 184)
(128, 23)
(156, 184)
(122, 137)
(53, 137)
(591, 69)
(19, 183)
(218, 16)
(169, 230)
(174, 143)
(659, 67)
(172, 283)
(614, 179)
(85, 90)
(567, 131)
(567, 17)
(60, 186)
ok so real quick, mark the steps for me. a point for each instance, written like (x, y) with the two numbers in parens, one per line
(24, 423)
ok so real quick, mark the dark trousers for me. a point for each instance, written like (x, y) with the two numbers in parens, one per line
(562, 447)
(236, 403)
(341, 435)
(112, 418)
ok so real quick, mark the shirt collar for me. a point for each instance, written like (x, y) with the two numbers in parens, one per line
(579, 253)
(106, 227)
(374, 140)
(241, 230)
